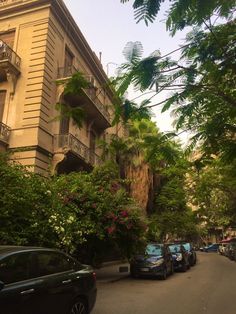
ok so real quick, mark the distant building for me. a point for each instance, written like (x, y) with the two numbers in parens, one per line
(40, 43)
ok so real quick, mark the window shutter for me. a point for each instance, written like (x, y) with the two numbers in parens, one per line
(2, 102)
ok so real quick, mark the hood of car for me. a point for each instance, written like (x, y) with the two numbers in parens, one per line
(147, 258)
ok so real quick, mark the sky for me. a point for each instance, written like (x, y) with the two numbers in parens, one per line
(108, 25)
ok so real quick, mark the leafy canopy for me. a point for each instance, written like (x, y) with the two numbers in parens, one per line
(182, 13)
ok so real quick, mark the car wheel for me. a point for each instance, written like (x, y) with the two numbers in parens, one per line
(79, 307)
(133, 274)
(172, 269)
(164, 274)
(184, 267)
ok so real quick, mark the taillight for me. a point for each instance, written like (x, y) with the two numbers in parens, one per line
(94, 276)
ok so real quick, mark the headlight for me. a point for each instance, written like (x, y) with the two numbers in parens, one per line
(158, 262)
(179, 257)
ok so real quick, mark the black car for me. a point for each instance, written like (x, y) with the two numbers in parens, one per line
(180, 257)
(44, 281)
(231, 250)
(192, 256)
(156, 261)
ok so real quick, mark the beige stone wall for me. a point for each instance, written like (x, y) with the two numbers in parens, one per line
(40, 41)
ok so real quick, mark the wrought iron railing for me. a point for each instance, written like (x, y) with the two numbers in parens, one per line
(7, 54)
(90, 91)
(4, 132)
(70, 142)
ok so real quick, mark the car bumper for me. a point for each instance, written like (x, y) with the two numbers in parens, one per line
(147, 270)
(178, 265)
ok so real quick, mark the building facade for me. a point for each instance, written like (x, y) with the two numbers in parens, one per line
(41, 46)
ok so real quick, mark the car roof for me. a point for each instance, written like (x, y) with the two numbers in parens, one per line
(9, 249)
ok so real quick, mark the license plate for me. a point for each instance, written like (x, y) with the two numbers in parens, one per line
(144, 269)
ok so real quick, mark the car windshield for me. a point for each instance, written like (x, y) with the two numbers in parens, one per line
(174, 248)
(154, 249)
(187, 246)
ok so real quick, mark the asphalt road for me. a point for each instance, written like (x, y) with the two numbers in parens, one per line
(207, 288)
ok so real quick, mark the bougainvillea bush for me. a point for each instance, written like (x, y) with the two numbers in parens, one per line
(96, 213)
(77, 212)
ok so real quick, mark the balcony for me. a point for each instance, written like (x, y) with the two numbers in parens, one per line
(9, 60)
(4, 133)
(68, 143)
(93, 107)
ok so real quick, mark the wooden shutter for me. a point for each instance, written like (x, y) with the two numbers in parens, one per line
(64, 125)
(8, 38)
(68, 58)
(2, 102)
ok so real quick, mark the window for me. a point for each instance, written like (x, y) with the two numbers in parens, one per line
(92, 144)
(8, 38)
(68, 61)
(15, 268)
(2, 102)
(64, 125)
(52, 262)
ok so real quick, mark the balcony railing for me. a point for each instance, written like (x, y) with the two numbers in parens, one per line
(7, 54)
(4, 132)
(70, 142)
(90, 91)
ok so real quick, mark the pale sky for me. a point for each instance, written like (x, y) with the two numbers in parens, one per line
(108, 25)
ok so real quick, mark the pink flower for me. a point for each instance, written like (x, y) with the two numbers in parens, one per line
(124, 213)
(111, 229)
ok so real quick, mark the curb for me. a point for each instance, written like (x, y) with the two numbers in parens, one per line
(112, 263)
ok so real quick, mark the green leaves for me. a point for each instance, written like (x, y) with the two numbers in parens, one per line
(182, 13)
(67, 211)
(145, 10)
(133, 51)
(212, 191)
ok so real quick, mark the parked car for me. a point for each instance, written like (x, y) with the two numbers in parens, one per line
(231, 250)
(39, 281)
(192, 256)
(156, 261)
(211, 248)
(222, 248)
(180, 257)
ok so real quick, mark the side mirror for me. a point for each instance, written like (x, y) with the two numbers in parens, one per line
(1, 285)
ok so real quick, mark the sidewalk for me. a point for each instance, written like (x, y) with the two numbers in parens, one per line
(112, 271)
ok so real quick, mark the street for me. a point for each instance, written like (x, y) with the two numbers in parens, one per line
(208, 288)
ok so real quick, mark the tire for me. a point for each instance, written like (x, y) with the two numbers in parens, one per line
(172, 269)
(79, 307)
(133, 275)
(184, 268)
(164, 275)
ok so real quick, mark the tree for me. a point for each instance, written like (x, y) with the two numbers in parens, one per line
(202, 86)
(182, 13)
(212, 192)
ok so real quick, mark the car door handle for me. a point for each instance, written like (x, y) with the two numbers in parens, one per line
(27, 292)
(66, 281)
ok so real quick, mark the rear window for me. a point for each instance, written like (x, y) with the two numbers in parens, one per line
(187, 246)
(175, 248)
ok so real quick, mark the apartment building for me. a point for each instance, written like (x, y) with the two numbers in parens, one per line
(41, 45)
